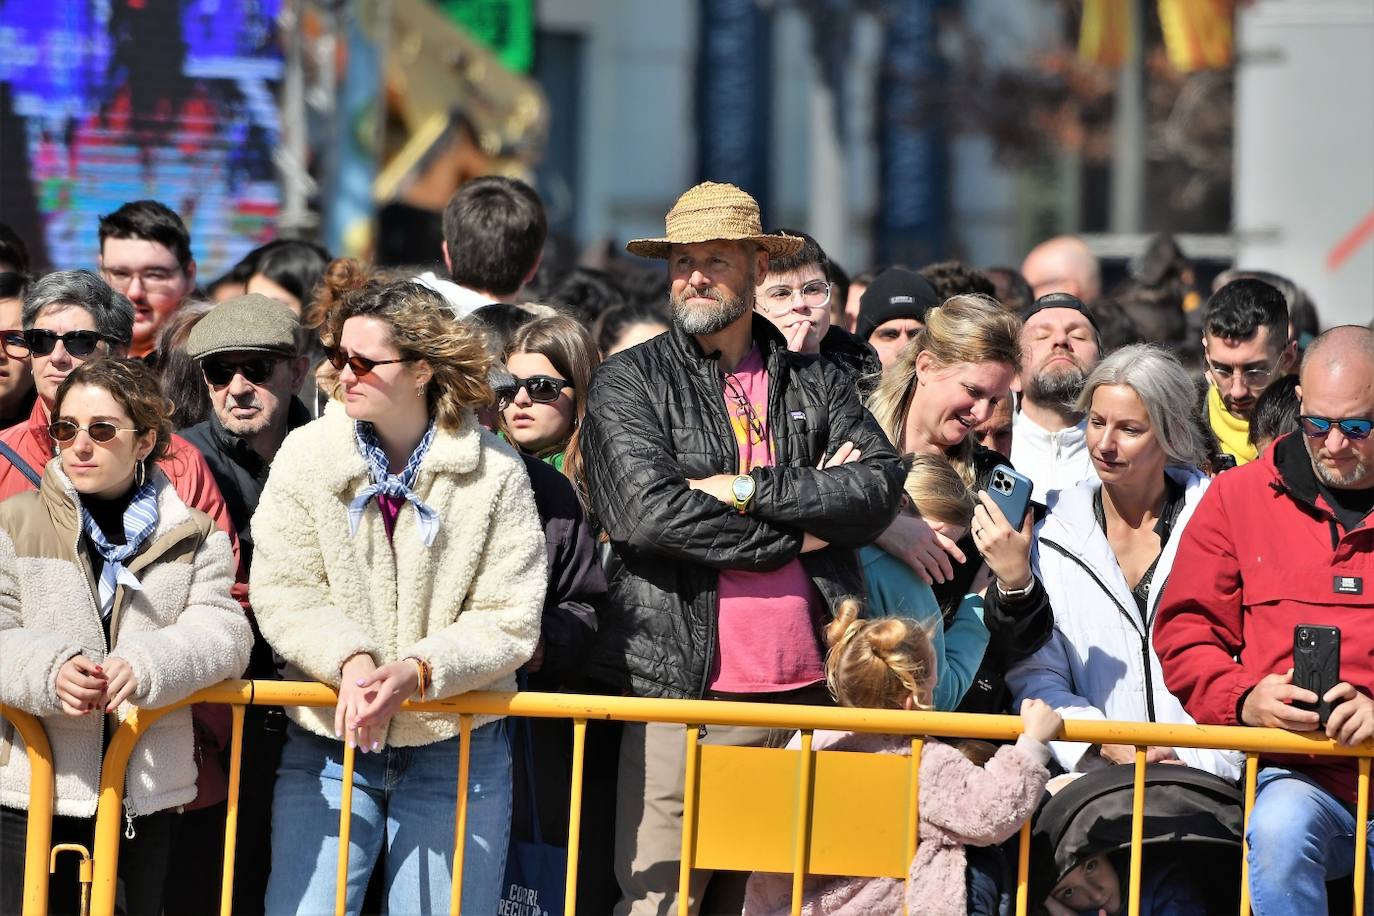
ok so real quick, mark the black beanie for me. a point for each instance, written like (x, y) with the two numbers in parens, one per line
(894, 293)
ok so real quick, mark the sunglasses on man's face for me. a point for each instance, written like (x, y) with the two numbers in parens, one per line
(254, 371)
(100, 431)
(1353, 428)
(542, 389)
(78, 343)
(360, 365)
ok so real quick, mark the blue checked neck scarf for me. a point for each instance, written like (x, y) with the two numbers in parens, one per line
(140, 518)
(397, 487)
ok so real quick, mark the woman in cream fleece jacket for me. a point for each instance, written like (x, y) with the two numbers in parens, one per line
(87, 632)
(399, 555)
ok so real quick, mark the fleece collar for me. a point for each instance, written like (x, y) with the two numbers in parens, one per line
(456, 452)
(62, 502)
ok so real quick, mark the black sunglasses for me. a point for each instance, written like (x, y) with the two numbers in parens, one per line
(360, 365)
(542, 389)
(14, 344)
(78, 343)
(100, 431)
(1353, 428)
(254, 371)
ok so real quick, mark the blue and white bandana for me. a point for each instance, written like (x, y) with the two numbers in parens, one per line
(140, 518)
(392, 485)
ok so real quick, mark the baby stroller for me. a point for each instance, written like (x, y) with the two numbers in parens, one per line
(1192, 829)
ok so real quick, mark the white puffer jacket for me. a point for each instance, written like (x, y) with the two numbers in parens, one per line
(1101, 663)
(180, 633)
(469, 605)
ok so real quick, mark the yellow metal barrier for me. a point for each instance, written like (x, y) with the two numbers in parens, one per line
(794, 846)
(41, 787)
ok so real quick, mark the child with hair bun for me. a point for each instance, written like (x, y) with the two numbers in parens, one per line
(934, 491)
(890, 664)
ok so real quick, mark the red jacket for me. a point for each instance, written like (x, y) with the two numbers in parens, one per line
(1261, 555)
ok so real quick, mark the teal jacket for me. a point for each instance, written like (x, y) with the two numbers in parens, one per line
(894, 590)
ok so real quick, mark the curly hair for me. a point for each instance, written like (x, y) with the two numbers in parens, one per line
(134, 386)
(877, 664)
(422, 327)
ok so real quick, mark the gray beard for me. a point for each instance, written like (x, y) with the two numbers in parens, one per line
(1357, 473)
(1055, 389)
(706, 320)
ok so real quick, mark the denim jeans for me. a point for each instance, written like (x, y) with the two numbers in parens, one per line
(403, 797)
(1300, 836)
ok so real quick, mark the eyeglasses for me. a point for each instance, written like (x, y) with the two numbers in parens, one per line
(78, 343)
(542, 389)
(14, 344)
(100, 431)
(360, 365)
(154, 279)
(1353, 428)
(254, 371)
(1252, 378)
(814, 295)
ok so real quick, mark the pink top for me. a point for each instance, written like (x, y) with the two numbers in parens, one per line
(766, 638)
(390, 507)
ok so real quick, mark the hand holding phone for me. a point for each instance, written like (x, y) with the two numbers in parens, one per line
(1316, 665)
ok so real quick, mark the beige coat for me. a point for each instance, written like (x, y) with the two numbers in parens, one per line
(469, 604)
(180, 633)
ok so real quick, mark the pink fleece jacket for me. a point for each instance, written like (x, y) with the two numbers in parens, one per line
(961, 804)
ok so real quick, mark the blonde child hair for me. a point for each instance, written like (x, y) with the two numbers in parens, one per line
(938, 491)
(878, 664)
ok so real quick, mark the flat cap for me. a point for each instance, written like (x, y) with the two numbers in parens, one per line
(251, 322)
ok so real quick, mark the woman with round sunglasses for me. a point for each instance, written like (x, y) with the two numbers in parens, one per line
(399, 556)
(551, 361)
(113, 594)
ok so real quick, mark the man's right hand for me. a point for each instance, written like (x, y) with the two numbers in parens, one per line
(1268, 704)
(929, 553)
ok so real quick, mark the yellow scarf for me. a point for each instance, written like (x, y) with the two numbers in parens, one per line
(1231, 431)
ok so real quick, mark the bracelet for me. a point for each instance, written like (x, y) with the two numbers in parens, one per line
(1021, 592)
(425, 674)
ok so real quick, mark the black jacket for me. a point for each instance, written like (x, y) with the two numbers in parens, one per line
(239, 471)
(656, 417)
(853, 356)
(577, 588)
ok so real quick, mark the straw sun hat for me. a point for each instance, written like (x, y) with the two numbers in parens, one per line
(713, 211)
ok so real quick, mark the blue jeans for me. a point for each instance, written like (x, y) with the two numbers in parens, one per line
(1300, 836)
(403, 796)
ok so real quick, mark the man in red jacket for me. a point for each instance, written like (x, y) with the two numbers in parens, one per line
(1284, 541)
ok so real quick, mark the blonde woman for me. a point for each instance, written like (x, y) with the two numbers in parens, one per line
(947, 381)
(399, 555)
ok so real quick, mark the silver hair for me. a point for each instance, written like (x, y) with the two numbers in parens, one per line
(112, 312)
(1164, 387)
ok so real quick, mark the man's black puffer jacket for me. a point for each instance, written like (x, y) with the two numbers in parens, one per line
(656, 417)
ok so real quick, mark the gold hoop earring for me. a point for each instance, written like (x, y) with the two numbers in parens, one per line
(140, 473)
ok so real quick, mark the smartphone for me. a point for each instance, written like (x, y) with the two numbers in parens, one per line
(1012, 493)
(1316, 664)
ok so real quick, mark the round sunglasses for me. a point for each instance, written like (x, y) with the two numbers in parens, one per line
(100, 431)
(360, 365)
(78, 343)
(1353, 428)
(542, 389)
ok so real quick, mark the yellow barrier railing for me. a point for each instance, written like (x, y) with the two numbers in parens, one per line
(692, 714)
(41, 787)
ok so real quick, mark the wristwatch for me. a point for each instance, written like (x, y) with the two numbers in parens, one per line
(742, 490)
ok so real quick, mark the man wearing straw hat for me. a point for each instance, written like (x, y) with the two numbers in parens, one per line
(724, 468)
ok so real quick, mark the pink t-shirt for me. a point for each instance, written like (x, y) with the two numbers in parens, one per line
(766, 634)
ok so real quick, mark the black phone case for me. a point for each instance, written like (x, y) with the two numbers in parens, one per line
(1316, 664)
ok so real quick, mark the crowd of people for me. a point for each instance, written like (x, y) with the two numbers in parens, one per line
(756, 478)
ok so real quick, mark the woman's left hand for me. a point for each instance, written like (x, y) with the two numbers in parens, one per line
(1006, 550)
(384, 691)
(120, 682)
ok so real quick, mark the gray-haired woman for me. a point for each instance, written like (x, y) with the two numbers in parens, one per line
(1104, 551)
